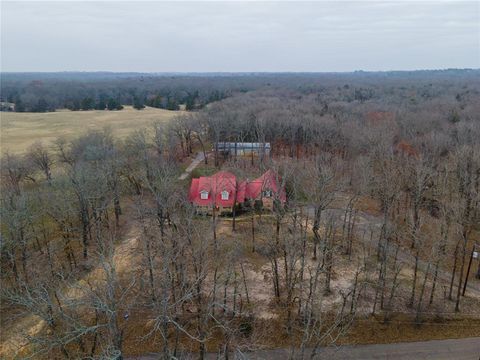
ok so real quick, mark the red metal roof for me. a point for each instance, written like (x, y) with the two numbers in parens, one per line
(193, 190)
(239, 192)
(267, 181)
(214, 185)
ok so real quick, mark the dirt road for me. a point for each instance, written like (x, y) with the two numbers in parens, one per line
(458, 349)
(198, 159)
(451, 349)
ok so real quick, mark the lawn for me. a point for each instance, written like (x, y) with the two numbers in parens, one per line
(20, 130)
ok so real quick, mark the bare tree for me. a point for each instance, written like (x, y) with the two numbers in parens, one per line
(42, 159)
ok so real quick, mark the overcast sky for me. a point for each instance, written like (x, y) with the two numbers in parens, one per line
(239, 36)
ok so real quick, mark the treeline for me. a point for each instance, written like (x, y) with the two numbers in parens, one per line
(37, 93)
(41, 92)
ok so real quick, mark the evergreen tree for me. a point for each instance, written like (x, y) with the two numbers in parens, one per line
(155, 101)
(158, 102)
(76, 105)
(138, 103)
(88, 104)
(190, 102)
(42, 106)
(19, 105)
(101, 104)
(113, 104)
(172, 104)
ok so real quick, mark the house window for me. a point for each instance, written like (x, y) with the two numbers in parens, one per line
(224, 195)
(204, 194)
(267, 193)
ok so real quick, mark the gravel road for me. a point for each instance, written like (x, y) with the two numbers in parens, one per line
(451, 349)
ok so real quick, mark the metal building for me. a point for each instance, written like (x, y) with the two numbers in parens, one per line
(243, 148)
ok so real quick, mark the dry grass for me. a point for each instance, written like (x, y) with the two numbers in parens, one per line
(20, 130)
(401, 328)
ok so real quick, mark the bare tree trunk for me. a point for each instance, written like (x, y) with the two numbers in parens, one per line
(460, 280)
(389, 306)
(316, 228)
(422, 291)
(434, 283)
(204, 150)
(253, 231)
(414, 284)
(454, 269)
(276, 280)
(245, 282)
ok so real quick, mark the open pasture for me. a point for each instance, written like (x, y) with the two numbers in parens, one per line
(20, 130)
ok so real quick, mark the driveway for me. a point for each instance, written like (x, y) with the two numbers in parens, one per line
(198, 159)
(451, 349)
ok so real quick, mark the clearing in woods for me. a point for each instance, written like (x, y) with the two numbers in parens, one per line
(20, 130)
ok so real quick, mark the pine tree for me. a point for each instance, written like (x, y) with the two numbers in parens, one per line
(19, 105)
(113, 104)
(42, 106)
(101, 104)
(190, 102)
(172, 104)
(88, 104)
(138, 103)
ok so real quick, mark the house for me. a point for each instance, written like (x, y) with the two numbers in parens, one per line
(218, 191)
(7, 106)
(223, 192)
(266, 189)
(243, 148)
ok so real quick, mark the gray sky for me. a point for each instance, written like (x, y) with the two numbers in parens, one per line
(239, 36)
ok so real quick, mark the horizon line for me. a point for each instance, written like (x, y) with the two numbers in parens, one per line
(236, 72)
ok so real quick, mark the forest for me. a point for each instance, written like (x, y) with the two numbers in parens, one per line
(103, 256)
(43, 92)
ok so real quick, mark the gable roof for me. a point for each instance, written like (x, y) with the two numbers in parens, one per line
(237, 192)
(192, 194)
(268, 181)
(222, 180)
(241, 190)
(215, 185)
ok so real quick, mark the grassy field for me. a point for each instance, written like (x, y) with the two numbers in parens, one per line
(20, 130)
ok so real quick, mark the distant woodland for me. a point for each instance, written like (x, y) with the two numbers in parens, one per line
(42, 92)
